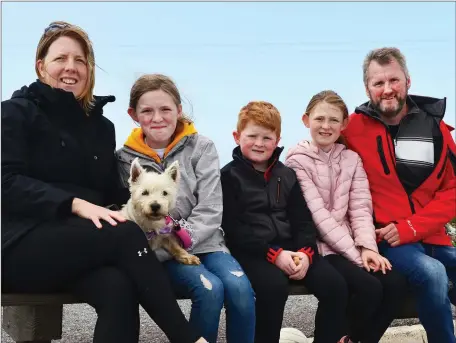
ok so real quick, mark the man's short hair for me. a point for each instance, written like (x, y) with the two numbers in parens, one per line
(384, 56)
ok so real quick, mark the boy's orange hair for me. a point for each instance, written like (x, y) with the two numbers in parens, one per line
(261, 113)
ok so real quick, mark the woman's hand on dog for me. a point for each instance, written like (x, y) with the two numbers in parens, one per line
(87, 210)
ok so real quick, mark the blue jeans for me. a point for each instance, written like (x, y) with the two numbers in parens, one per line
(218, 280)
(427, 268)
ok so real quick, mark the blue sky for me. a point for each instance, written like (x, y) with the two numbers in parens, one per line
(223, 55)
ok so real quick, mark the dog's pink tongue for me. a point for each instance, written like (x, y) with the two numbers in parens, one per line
(184, 237)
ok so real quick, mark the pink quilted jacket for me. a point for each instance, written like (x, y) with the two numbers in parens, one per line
(336, 190)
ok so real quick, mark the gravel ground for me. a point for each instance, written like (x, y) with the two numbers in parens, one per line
(79, 321)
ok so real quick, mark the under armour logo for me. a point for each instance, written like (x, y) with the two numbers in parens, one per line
(142, 252)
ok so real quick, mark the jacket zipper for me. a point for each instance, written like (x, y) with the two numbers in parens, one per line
(162, 165)
(331, 184)
(278, 190)
(173, 151)
(439, 175)
(381, 153)
(269, 215)
(154, 165)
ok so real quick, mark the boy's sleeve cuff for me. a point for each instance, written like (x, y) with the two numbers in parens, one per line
(272, 254)
(309, 252)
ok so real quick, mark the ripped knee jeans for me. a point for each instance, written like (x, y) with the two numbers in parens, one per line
(218, 281)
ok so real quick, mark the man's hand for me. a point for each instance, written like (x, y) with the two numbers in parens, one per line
(390, 234)
(374, 261)
(302, 267)
(285, 262)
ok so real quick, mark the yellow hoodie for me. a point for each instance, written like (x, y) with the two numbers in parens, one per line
(136, 141)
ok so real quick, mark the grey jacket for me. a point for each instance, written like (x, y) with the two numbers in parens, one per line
(199, 199)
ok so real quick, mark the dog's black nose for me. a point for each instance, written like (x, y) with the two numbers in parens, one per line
(155, 207)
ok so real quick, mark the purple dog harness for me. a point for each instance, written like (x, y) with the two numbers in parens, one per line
(173, 226)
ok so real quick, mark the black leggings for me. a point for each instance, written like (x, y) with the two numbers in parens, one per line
(112, 269)
(376, 299)
(271, 292)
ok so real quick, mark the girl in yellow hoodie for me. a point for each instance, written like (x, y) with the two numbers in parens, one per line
(166, 135)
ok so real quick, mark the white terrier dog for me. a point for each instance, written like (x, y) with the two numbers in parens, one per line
(153, 196)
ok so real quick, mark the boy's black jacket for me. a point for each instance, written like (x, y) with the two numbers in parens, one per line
(267, 210)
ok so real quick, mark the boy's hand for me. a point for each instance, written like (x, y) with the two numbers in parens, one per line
(285, 262)
(302, 267)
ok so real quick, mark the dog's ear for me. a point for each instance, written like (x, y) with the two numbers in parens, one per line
(173, 171)
(135, 171)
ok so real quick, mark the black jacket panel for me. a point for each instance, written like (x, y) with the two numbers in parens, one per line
(53, 152)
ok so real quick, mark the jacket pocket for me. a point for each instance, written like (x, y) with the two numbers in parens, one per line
(381, 154)
(442, 170)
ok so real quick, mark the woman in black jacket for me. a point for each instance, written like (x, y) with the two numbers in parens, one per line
(58, 177)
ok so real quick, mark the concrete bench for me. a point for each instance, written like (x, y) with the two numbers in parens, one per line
(37, 318)
(34, 318)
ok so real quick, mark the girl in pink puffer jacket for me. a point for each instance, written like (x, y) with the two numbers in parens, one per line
(336, 190)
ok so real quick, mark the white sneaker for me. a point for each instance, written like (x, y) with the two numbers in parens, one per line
(292, 335)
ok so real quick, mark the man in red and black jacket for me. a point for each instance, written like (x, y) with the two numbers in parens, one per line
(409, 156)
(267, 225)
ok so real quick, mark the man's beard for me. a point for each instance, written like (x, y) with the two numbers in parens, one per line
(390, 112)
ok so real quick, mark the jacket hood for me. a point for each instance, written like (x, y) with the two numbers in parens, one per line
(434, 106)
(45, 95)
(136, 141)
(307, 148)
